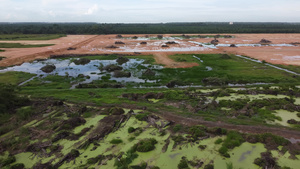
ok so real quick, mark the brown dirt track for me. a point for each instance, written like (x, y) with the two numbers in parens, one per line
(93, 44)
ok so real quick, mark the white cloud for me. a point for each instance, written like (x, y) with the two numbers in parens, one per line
(92, 10)
(148, 10)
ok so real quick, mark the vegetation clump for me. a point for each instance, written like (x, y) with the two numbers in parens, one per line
(9, 160)
(48, 68)
(82, 61)
(149, 72)
(119, 43)
(233, 139)
(120, 73)
(264, 41)
(146, 145)
(116, 111)
(266, 161)
(142, 116)
(116, 141)
(183, 164)
(121, 60)
(112, 67)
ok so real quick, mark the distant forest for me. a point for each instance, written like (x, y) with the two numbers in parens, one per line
(159, 28)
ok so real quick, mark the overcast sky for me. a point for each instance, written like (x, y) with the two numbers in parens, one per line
(149, 11)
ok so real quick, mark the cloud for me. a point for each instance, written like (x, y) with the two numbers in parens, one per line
(92, 10)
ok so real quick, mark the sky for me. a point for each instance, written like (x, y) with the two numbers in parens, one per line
(149, 11)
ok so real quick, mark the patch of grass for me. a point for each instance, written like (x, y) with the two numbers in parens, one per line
(116, 141)
(13, 37)
(2, 50)
(19, 45)
(1, 58)
(233, 139)
(14, 77)
(184, 58)
(219, 141)
(177, 127)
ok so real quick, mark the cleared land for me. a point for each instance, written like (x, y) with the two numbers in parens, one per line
(91, 44)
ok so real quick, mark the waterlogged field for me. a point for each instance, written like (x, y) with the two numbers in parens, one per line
(115, 111)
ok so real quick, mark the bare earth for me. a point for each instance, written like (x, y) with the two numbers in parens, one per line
(96, 44)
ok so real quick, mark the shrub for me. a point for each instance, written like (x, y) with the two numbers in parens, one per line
(116, 141)
(82, 61)
(18, 166)
(131, 130)
(177, 127)
(209, 166)
(183, 164)
(224, 151)
(142, 116)
(146, 145)
(48, 68)
(8, 160)
(219, 141)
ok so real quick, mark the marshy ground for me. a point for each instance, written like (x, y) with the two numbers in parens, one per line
(150, 111)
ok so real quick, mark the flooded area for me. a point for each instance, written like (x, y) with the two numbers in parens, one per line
(90, 70)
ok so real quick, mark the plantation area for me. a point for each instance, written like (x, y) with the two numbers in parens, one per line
(128, 111)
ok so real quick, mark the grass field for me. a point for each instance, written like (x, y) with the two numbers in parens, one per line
(19, 45)
(30, 36)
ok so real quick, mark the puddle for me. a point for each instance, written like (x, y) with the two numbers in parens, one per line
(198, 58)
(212, 46)
(67, 67)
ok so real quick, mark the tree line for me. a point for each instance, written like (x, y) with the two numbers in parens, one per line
(158, 28)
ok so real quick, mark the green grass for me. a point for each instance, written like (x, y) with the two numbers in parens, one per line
(19, 45)
(293, 68)
(180, 58)
(2, 50)
(14, 77)
(234, 70)
(30, 36)
(1, 58)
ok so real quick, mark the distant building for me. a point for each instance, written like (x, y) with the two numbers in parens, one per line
(230, 23)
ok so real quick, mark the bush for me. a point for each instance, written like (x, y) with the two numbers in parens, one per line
(82, 61)
(131, 130)
(142, 116)
(209, 166)
(9, 99)
(224, 151)
(146, 145)
(177, 127)
(48, 68)
(116, 141)
(183, 164)
(8, 160)
(18, 166)
(219, 141)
